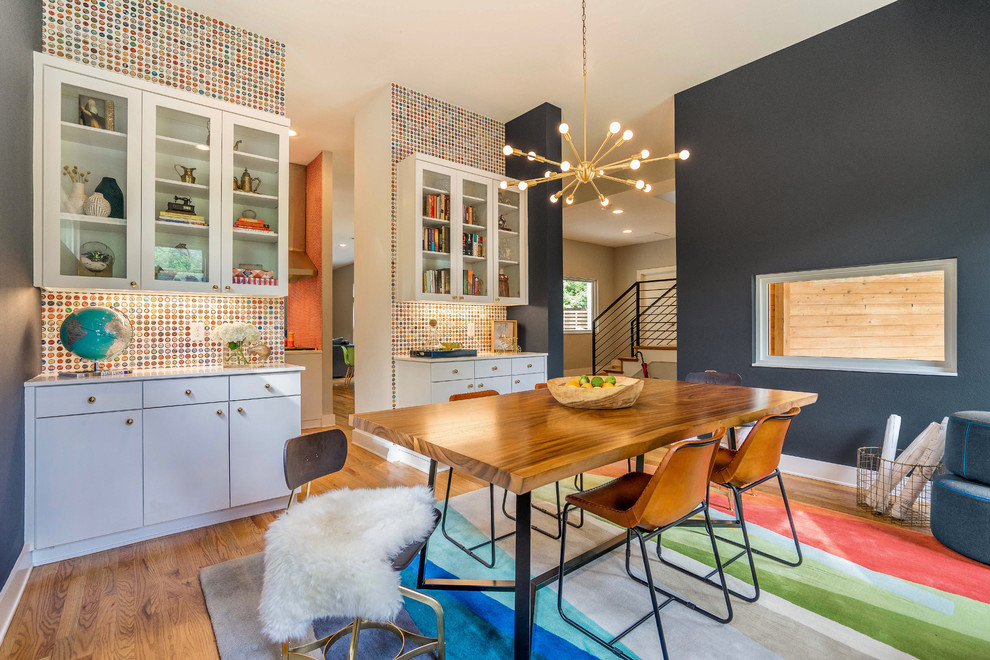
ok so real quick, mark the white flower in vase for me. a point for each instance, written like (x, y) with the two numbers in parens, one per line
(234, 335)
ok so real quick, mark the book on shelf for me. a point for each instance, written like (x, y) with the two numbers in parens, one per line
(469, 215)
(473, 245)
(198, 221)
(473, 285)
(436, 239)
(437, 206)
(249, 223)
(436, 281)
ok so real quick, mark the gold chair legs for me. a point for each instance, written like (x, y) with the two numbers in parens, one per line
(418, 644)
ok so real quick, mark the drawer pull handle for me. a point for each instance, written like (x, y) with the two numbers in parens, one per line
(454, 371)
(220, 412)
(529, 366)
(227, 288)
(92, 399)
(494, 368)
(470, 386)
(216, 287)
(268, 386)
(517, 381)
(188, 392)
(133, 285)
(129, 421)
(240, 410)
(481, 384)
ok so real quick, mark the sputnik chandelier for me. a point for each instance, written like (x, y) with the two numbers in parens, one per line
(587, 170)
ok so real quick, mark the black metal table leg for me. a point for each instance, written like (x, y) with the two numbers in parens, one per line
(641, 463)
(430, 483)
(524, 613)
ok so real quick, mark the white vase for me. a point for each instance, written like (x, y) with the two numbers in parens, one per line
(77, 197)
(97, 205)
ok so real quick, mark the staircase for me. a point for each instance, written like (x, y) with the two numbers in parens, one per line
(642, 318)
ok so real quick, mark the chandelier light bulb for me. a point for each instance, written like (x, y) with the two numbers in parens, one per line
(507, 150)
(570, 199)
(554, 197)
(547, 174)
(634, 164)
(603, 199)
(531, 155)
(648, 188)
(563, 128)
(684, 154)
(627, 135)
(522, 185)
(601, 172)
(614, 127)
(504, 185)
(640, 184)
(645, 153)
(565, 166)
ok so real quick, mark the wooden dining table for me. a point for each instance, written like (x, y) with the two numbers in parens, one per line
(525, 440)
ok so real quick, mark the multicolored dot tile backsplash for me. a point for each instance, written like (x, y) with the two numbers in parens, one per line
(161, 327)
(427, 125)
(168, 44)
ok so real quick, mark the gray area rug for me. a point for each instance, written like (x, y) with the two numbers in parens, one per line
(233, 592)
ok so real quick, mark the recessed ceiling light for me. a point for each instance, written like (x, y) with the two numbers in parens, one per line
(292, 133)
(617, 211)
(627, 231)
(342, 244)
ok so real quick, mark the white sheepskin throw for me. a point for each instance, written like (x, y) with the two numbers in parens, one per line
(330, 555)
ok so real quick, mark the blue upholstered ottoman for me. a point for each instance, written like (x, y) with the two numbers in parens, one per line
(967, 445)
(961, 515)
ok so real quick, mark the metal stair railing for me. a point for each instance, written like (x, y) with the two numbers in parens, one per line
(644, 314)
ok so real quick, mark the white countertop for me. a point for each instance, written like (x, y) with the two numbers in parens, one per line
(482, 355)
(158, 374)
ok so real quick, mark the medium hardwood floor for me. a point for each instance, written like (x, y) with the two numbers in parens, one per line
(144, 600)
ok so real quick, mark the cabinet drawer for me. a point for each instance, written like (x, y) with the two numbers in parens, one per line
(452, 370)
(182, 391)
(501, 384)
(440, 392)
(526, 382)
(259, 386)
(57, 400)
(488, 368)
(529, 365)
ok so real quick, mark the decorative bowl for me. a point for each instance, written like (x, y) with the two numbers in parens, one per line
(597, 398)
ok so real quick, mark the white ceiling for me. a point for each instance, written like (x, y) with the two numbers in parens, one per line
(650, 218)
(502, 58)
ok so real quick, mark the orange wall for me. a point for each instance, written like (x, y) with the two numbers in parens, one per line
(305, 310)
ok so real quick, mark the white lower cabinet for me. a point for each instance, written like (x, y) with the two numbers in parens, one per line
(500, 384)
(186, 458)
(526, 382)
(258, 431)
(89, 476)
(420, 382)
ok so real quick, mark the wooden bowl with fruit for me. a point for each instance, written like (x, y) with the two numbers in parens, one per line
(596, 392)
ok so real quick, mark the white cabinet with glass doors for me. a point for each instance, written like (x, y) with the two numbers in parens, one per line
(461, 239)
(197, 196)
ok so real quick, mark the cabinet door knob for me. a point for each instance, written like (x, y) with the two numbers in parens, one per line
(92, 399)
(240, 410)
(133, 285)
(220, 412)
(227, 288)
(216, 287)
(470, 386)
(494, 368)
(129, 421)
(517, 381)
(497, 299)
(454, 371)
(481, 384)
(188, 392)
(529, 366)
(268, 386)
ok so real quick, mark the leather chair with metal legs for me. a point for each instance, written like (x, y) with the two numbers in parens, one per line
(315, 455)
(755, 462)
(646, 506)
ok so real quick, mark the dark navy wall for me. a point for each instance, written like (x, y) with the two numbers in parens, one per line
(869, 143)
(20, 315)
(541, 322)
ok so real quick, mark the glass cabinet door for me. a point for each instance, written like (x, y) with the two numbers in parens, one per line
(474, 238)
(91, 144)
(436, 256)
(181, 196)
(256, 207)
(511, 272)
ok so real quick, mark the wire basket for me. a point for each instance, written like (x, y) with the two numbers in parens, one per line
(898, 492)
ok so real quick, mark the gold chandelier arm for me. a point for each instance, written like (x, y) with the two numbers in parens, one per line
(572, 186)
(604, 142)
(676, 156)
(617, 143)
(567, 136)
(544, 179)
(597, 191)
(535, 156)
(628, 182)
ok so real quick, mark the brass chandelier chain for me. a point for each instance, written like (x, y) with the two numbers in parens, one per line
(573, 176)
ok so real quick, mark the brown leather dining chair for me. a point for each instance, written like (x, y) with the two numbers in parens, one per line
(712, 377)
(742, 470)
(646, 506)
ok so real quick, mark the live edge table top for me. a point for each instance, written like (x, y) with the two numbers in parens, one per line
(525, 440)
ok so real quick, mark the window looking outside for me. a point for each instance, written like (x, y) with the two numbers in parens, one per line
(579, 305)
(886, 318)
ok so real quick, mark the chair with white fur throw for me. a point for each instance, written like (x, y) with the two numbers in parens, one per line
(339, 554)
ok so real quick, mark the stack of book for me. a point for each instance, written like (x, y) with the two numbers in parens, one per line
(181, 218)
(436, 239)
(473, 245)
(436, 281)
(437, 206)
(251, 223)
(473, 285)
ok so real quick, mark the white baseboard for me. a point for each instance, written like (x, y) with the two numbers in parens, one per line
(372, 443)
(328, 420)
(391, 452)
(844, 475)
(13, 589)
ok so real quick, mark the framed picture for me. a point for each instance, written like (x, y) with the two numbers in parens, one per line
(95, 112)
(505, 335)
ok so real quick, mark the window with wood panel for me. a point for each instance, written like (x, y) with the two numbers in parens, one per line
(890, 317)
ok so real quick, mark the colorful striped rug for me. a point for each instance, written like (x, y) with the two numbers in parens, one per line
(865, 590)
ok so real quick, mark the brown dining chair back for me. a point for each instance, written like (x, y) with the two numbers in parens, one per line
(472, 395)
(679, 483)
(311, 456)
(713, 377)
(759, 456)
(540, 386)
